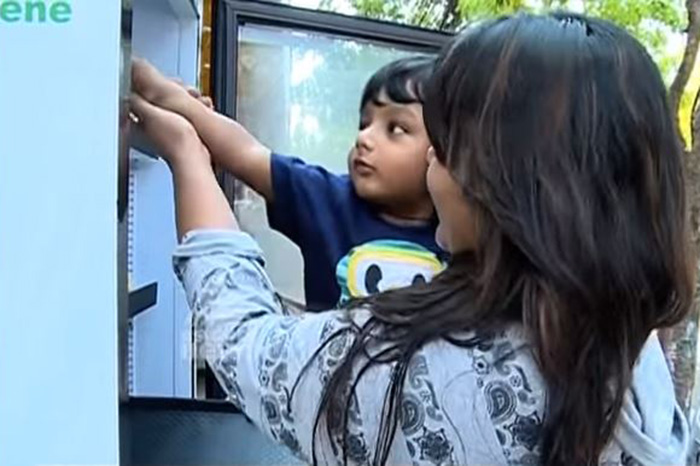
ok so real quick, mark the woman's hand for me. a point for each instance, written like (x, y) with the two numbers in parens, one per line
(173, 136)
(199, 202)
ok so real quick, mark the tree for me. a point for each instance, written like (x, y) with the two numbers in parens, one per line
(652, 22)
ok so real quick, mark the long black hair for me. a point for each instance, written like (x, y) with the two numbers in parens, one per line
(558, 130)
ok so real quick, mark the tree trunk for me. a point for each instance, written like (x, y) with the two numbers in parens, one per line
(689, 55)
(450, 18)
(680, 342)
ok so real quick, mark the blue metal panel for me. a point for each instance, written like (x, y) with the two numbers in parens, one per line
(59, 96)
(161, 336)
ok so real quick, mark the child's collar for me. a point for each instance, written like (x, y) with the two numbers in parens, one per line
(407, 222)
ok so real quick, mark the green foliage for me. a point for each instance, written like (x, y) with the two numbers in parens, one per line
(639, 16)
(658, 24)
(423, 13)
(651, 21)
(469, 10)
(636, 14)
(381, 9)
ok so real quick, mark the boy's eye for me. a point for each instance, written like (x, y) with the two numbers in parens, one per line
(397, 129)
(363, 124)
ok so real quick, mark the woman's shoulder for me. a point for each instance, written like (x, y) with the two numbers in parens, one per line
(488, 357)
(479, 396)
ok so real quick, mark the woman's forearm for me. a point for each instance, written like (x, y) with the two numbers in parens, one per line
(200, 204)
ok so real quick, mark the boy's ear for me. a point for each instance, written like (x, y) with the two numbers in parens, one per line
(430, 155)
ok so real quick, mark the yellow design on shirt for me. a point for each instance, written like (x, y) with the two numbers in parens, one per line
(384, 265)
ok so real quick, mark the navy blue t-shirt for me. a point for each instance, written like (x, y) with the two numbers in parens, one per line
(349, 251)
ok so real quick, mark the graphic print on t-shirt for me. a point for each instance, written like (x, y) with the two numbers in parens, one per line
(382, 265)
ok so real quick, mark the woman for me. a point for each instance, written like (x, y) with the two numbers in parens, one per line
(557, 179)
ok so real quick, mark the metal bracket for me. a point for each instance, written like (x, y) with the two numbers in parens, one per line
(142, 299)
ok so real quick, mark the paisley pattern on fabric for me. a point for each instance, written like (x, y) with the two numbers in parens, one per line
(259, 354)
(510, 400)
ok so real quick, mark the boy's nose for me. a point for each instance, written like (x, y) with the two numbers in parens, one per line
(364, 139)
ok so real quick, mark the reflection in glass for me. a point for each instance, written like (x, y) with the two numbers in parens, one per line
(299, 93)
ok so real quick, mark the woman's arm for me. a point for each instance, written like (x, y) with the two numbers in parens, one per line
(199, 201)
(273, 366)
(257, 352)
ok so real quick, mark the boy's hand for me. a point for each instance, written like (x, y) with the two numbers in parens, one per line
(231, 145)
(197, 94)
(173, 136)
(151, 85)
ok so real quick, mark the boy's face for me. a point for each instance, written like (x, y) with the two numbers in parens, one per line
(388, 163)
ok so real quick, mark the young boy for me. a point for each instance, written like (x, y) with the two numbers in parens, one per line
(361, 233)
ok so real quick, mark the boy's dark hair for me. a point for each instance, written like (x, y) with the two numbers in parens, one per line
(402, 81)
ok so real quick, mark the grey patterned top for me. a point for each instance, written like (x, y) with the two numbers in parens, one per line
(482, 405)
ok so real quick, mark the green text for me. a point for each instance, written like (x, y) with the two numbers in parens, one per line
(35, 11)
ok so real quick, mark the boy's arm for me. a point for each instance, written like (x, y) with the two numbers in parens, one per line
(229, 143)
(231, 146)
